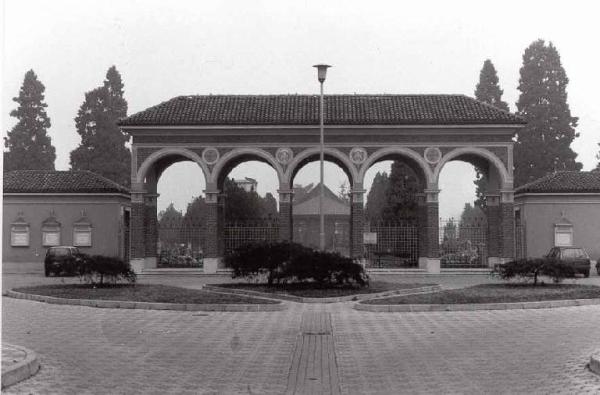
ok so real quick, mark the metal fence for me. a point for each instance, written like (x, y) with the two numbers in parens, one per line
(239, 233)
(395, 244)
(463, 244)
(180, 243)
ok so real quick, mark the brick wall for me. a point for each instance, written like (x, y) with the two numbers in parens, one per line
(138, 230)
(357, 220)
(508, 230)
(150, 230)
(285, 221)
(212, 227)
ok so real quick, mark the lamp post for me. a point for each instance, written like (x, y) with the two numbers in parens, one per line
(321, 73)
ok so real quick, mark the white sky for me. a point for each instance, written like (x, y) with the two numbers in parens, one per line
(169, 48)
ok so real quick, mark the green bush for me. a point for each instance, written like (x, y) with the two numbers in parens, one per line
(291, 262)
(535, 267)
(100, 270)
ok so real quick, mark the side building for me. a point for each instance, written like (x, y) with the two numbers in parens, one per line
(49, 208)
(560, 209)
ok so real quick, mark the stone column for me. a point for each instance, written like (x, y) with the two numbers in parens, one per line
(357, 223)
(211, 249)
(137, 230)
(286, 223)
(429, 212)
(494, 221)
(151, 231)
(507, 211)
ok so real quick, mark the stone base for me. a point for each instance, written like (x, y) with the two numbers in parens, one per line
(211, 265)
(150, 262)
(137, 264)
(496, 260)
(431, 265)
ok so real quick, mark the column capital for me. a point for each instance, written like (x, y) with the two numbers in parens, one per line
(211, 196)
(492, 199)
(507, 196)
(357, 195)
(285, 195)
(431, 195)
(150, 198)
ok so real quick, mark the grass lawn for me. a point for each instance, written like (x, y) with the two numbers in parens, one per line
(140, 293)
(498, 293)
(311, 290)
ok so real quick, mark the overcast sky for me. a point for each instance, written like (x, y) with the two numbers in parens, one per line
(169, 48)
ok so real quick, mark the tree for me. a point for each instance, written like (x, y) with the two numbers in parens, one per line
(28, 143)
(241, 205)
(598, 157)
(102, 148)
(270, 206)
(376, 198)
(487, 91)
(401, 195)
(543, 145)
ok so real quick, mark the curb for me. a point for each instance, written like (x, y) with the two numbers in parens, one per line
(117, 304)
(405, 308)
(21, 370)
(349, 298)
(595, 363)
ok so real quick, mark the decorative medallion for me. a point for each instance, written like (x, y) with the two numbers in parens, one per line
(210, 155)
(358, 155)
(432, 155)
(284, 155)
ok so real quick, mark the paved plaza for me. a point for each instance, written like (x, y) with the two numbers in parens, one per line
(309, 348)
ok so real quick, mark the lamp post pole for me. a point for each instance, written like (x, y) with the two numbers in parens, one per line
(322, 72)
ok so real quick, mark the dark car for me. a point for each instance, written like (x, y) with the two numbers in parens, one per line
(62, 260)
(574, 256)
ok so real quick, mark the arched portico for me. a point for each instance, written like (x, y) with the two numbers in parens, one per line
(283, 131)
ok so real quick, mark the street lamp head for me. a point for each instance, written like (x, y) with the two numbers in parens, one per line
(321, 71)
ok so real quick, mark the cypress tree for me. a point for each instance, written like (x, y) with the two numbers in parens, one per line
(376, 198)
(543, 145)
(401, 195)
(102, 148)
(28, 143)
(487, 91)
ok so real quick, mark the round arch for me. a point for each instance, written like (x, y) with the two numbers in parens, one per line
(166, 152)
(406, 152)
(338, 157)
(250, 153)
(481, 152)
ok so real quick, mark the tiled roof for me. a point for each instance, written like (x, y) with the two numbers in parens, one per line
(304, 110)
(50, 181)
(564, 182)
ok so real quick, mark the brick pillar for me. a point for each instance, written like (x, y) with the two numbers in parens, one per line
(137, 231)
(151, 229)
(422, 225)
(429, 232)
(211, 248)
(507, 247)
(494, 221)
(357, 223)
(286, 223)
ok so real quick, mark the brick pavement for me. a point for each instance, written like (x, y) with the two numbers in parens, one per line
(96, 351)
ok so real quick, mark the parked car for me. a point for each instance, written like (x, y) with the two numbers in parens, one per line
(574, 256)
(62, 260)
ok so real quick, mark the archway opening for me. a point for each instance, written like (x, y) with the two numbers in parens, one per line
(337, 185)
(180, 211)
(249, 202)
(394, 186)
(468, 205)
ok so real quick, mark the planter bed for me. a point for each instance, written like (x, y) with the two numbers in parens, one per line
(148, 293)
(495, 293)
(322, 294)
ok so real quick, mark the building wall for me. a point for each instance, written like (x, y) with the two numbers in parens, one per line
(105, 214)
(541, 212)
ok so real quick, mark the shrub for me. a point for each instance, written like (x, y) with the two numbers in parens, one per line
(534, 267)
(99, 269)
(288, 262)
